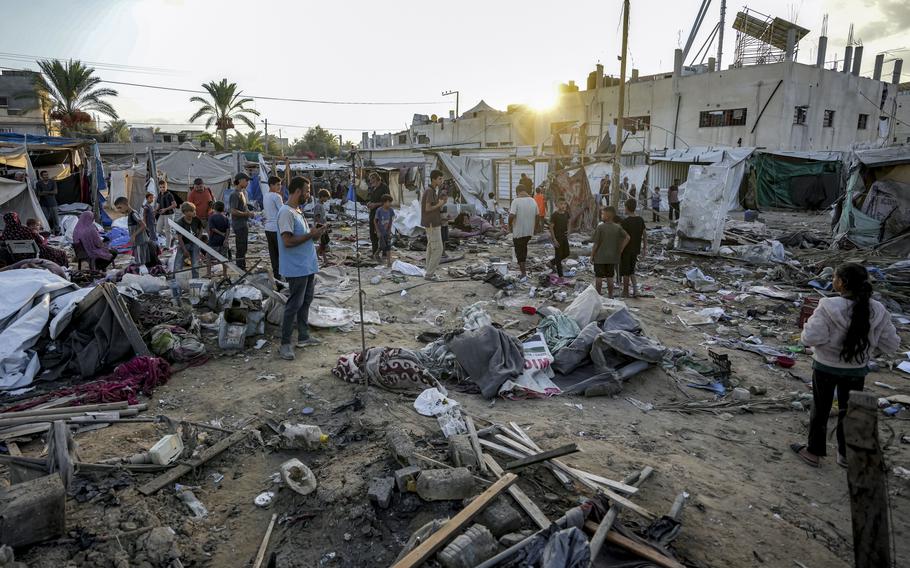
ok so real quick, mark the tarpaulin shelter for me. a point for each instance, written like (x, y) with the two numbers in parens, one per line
(473, 176)
(797, 180)
(68, 161)
(16, 196)
(186, 163)
(573, 186)
(876, 206)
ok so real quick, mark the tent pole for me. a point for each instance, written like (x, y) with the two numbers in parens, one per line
(363, 337)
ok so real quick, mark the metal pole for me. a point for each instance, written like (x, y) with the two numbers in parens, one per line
(617, 154)
(720, 33)
(363, 336)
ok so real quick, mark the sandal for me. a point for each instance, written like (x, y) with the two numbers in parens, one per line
(800, 450)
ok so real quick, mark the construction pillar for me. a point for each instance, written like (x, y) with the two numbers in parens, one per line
(879, 63)
(617, 154)
(857, 60)
(896, 74)
(822, 48)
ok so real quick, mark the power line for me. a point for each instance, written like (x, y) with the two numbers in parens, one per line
(133, 123)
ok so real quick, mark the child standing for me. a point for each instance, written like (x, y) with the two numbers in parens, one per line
(384, 216)
(844, 331)
(609, 241)
(634, 226)
(148, 215)
(319, 216)
(185, 247)
(139, 238)
(218, 232)
(655, 205)
(559, 230)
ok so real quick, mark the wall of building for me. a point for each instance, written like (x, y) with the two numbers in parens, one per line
(19, 114)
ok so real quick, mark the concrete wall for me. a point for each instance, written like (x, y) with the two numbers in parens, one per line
(21, 115)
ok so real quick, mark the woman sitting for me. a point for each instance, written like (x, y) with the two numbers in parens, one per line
(16, 231)
(85, 234)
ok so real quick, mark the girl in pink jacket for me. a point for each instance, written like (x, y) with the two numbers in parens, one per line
(844, 332)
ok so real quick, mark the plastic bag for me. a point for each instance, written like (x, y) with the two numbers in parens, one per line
(585, 308)
(433, 402)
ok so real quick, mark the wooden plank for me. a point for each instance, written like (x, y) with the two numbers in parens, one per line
(179, 471)
(13, 448)
(260, 556)
(543, 456)
(427, 548)
(122, 315)
(525, 502)
(475, 442)
(517, 442)
(607, 523)
(66, 410)
(642, 551)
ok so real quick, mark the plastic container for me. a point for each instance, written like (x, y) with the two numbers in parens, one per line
(194, 504)
(501, 267)
(232, 328)
(304, 436)
(806, 310)
(298, 477)
(166, 450)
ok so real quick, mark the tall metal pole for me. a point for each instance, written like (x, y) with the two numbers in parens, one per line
(720, 33)
(617, 154)
(265, 144)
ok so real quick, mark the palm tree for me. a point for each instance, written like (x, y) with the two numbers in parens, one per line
(70, 88)
(117, 131)
(215, 141)
(222, 107)
(249, 142)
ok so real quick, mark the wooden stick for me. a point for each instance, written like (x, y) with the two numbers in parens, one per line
(526, 451)
(525, 502)
(475, 443)
(67, 409)
(179, 471)
(639, 549)
(122, 315)
(260, 556)
(606, 524)
(542, 456)
(427, 548)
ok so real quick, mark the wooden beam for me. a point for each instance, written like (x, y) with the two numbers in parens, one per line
(525, 502)
(179, 471)
(524, 450)
(607, 523)
(542, 456)
(122, 315)
(427, 548)
(260, 556)
(867, 482)
(640, 550)
(475, 443)
(67, 410)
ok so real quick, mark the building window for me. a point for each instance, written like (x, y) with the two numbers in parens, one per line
(423, 139)
(729, 117)
(799, 114)
(402, 138)
(634, 124)
(828, 121)
(4, 101)
(861, 123)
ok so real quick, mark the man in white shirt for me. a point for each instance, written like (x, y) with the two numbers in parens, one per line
(271, 204)
(522, 215)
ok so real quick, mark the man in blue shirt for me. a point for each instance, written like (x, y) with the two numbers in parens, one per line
(298, 264)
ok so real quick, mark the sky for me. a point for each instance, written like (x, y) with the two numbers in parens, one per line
(402, 51)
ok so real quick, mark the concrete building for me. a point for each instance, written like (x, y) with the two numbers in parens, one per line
(20, 108)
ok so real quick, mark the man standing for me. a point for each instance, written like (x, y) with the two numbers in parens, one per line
(46, 189)
(673, 199)
(634, 226)
(240, 214)
(605, 190)
(559, 231)
(522, 216)
(526, 182)
(431, 219)
(541, 209)
(299, 265)
(374, 202)
(609, 241)
(167, 204)
(271, 205)
(201, 196)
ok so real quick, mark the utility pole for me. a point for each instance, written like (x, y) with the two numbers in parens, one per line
(265, 144)
(617, 153)
(720, 33)
(456, 93)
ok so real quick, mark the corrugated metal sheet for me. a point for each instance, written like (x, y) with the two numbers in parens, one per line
(518, 168)
(662, 174)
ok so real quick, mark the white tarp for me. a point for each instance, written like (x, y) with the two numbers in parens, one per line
(474, 177)
(407, 219)
(597, 171)
(186, 163)
(16, 196)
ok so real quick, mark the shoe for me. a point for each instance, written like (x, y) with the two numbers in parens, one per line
(286, 352)
(841, 460)
(308, 342)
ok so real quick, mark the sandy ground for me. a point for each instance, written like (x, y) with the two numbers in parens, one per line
(752, 502)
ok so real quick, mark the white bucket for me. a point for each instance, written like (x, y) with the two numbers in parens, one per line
(501, 267)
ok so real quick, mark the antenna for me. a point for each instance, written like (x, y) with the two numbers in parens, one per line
(825, 25)
(850, 35)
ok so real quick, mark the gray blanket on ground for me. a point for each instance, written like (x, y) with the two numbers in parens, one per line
(489, 356)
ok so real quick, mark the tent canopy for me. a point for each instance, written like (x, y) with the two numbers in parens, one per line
(792, 180)
(16, 196)
(8, 139)
(186, 163)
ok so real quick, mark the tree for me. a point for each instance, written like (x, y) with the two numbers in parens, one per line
(249, 142)
(70, 88)
(117, 131)
(223, 106)
(214, 140)
(318, 141)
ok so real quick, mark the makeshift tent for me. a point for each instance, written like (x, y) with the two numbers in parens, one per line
(16, 196)
(573, 186)
(797, 180)
(474, 177)
(67, 160)
(597, 171)
(129, 183)
(186, 163)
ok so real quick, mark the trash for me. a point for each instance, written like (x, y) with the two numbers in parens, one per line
(469, 549)
(529, 310)
(166, 450)
(375, 280)
(260, 343)
(302, 436)
(700, 281)
(298, 477)
(451, 423)
(194, 504)
(475, 316)
(407, 268)
(500, 267)
(643, 406)
(785, 361)
(232, 329)
(264, 499)
(445, 484)
(901, 472)
(741, 394)
(433, 402)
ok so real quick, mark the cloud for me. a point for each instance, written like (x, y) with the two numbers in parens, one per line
(894, 18)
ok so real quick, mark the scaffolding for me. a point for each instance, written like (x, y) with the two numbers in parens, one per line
(762, 39)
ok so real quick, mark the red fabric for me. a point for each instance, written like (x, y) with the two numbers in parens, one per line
(139, 375)
(541, 205)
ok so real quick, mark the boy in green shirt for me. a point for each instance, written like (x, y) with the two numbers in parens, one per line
(609, 241)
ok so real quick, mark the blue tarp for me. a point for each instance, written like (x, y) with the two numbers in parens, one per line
(32, 139)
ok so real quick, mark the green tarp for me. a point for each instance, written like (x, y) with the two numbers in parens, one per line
(795, 183)
(859, 228)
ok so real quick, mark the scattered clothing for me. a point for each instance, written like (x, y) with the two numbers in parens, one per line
(387, 367)
(489, 356)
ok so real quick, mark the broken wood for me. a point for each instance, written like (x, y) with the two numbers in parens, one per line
(179, 471)
(427, 548)
(640, 550)
(68, 409)
(868, 486)
(524, 450)
(68, 416)
(61, 452)
(475, 443)
(260, 556)
(543, 456)
(122, 315)
(607, 523)
(525, 502)
(33, 511)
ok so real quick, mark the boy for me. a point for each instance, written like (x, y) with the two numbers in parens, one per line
(218, 231)
(139, 239)
(186, 248)
(609, 241)
(541, 209)
(655, 205)
(634, 226)
(559, 230)
(319, 217)
(384, 216)
(148, 215)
